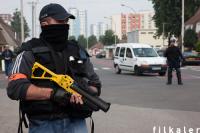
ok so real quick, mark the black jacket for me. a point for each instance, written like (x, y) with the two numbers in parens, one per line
(17, 89)
(174, 56)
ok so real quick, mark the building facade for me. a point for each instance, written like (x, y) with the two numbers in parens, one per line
(123, 23)
(98, 29)
(146, 36)
(83, 22)
(78, 26)
(7, 18)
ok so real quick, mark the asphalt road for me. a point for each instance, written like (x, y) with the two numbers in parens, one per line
(140, 104)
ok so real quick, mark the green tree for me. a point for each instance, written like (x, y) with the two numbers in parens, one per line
(109, 38)
(16, 24)
(190, 38)
(72, 38)
(197, 46)
(101, 38)
(82, 41)
(168, 14)
(92, 40)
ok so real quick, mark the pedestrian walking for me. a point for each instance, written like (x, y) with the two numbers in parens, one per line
(174, 57)
(49, 108)
(7, 55)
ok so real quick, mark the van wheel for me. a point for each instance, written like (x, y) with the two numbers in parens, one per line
(136, 71)
(162, 73)
(117, 69)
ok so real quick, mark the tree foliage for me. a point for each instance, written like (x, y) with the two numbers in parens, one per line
(16, 24)
(190, 38)
(108, 38)
(71, 38)
(92, 40)
(82, 41)
(168, 14)
(197, 46)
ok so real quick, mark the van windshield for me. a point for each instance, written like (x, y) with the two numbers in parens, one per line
(144, 52)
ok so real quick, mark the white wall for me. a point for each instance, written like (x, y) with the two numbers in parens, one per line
(116, 25)
(147, 37)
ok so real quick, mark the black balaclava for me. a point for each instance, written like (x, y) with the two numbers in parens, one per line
(56, 35)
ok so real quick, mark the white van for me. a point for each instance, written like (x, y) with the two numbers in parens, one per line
(138, 58)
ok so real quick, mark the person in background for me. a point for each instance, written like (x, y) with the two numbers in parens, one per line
(7, 55)
(174, 57)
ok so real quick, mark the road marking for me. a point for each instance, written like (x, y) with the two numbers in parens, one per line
(193, 68)
(106, 68)
(96, 68)
(198, 77)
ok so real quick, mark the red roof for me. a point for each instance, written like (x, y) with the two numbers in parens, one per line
(7, 35)
(98, 45)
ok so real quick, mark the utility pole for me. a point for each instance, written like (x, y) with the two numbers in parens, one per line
(163, 34)
(22, 21)
(183, 27)
(33, 6)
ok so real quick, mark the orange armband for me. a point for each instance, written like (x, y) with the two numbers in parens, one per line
(17, 76)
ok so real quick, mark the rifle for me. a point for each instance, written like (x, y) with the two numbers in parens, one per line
(70, 85)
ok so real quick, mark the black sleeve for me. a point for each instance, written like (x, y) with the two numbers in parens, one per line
(17, 89)
(180, 53)
(92, 76)
(165, 53)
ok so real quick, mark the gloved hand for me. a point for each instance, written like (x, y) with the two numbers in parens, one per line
(60, 96)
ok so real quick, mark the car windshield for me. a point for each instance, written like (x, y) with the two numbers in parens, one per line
(144, 52)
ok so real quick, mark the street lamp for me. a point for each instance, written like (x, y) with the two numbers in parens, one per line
(111, 28)
(22, 21)
(182, 27)
(128, 7)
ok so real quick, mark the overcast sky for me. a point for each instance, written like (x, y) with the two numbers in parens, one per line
(97, 9)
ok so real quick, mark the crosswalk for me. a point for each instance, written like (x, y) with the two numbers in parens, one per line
(193, 68)
(102, 68)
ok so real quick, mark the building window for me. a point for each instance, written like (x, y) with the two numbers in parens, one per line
(143, 32)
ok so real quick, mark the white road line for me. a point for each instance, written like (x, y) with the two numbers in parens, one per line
(198, 77)
(106, 68)
(96, 68)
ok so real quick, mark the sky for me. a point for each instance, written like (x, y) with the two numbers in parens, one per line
(97, 9)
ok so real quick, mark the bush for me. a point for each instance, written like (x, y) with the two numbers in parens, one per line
(197, 46)
(190, 38)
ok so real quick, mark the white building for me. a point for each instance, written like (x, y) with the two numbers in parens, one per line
(7, 18)
(116, 22)
(79, 25)
(94, 30)
(123, 23)
(83, 22)
(147, 37)
(147, 21)
(102, 28)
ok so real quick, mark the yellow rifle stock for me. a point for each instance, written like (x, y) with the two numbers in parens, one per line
(63, 81)
(67, 83)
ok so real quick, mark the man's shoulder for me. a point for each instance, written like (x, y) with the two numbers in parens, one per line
(73, 45)
(28, 45)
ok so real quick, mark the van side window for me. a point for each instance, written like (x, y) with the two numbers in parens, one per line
(128, 53)
(117, 51)
(122, 52)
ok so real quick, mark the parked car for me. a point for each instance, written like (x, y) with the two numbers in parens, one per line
(138, 58)
(101, 55)
(191, 58)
